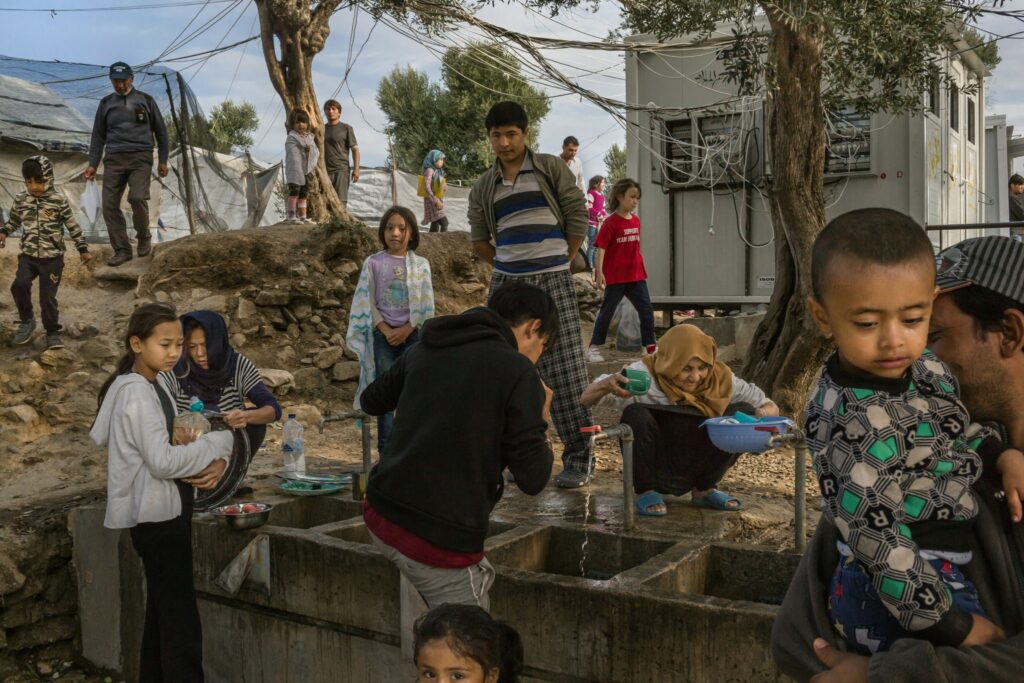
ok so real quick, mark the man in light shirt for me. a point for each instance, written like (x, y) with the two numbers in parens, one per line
(570, 147)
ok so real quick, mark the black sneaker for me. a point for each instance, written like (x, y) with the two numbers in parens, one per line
(144, 247)
(23, 335)
(118, 259)
(53, 341)
(573, 479)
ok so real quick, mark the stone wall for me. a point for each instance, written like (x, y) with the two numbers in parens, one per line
(38, 592)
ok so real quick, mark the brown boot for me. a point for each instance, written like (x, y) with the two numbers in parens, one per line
(144, 247)
(119, 259)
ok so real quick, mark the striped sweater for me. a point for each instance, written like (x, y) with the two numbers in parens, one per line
(246, 382)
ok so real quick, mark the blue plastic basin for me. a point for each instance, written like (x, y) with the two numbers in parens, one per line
(731, 437)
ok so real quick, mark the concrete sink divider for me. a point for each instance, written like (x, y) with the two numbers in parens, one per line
(648, 608)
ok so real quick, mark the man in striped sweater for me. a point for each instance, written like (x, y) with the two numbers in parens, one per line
(528, 219)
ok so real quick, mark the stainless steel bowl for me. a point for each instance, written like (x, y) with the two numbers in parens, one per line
(242, 520)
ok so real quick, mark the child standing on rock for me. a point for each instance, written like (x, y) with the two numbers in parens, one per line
(42, 213)
(394, 297)
(300, 159)
(150, 489)
(619, 268)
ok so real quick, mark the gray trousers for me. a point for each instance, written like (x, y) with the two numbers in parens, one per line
(437, 585)
(131, 170)
(340, 179)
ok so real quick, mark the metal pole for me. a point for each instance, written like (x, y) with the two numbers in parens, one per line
(186, 167)
(394, 173)
(628, 507)
(364, 425)
(800, 518)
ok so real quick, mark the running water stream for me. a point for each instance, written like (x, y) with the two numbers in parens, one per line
(586, 532)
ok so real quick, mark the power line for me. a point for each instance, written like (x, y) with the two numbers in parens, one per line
(54, 11)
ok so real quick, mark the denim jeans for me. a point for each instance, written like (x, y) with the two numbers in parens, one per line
(591, 247)
(384, 356)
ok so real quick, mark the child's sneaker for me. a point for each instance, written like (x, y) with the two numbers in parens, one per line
(23, 335)
(53, 341)
(594, 355)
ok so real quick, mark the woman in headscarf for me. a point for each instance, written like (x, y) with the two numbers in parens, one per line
(433, 191)
(220, 377)
(671, 455)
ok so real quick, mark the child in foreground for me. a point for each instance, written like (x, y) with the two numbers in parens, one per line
(463, 643)
(894, 450)
(394, 297)
(42, 213)
(150, 489)
(619, 268)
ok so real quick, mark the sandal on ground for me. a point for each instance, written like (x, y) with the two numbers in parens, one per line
(645, 502)
(718, 500)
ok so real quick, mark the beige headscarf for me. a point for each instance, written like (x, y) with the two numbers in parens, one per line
(675, 349)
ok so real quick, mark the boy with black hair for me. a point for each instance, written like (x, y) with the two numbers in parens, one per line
(528, 219)
(894, 450)
(429, 498)
(42, 212)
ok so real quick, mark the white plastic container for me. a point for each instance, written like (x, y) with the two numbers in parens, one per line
(292, 446)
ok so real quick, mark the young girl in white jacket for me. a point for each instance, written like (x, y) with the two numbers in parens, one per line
(150, 490)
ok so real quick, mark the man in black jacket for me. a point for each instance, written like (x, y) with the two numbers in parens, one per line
(468, 403)
(122, 136)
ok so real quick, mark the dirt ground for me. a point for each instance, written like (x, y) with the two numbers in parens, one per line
(48, 397)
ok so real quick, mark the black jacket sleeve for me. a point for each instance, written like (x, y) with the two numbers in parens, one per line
(382, 394)
(525, 447)
(99, 134)
(160, 128)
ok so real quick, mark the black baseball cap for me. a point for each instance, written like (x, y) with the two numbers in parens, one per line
(120, 71)
(995, 263)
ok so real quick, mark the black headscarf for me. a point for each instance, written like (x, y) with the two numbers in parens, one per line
(222, 359)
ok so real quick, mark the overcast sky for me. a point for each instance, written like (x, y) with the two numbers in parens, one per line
(138, 36)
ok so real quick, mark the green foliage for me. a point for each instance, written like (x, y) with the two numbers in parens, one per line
(614, 164)
(987, 50)
(229, 128)
(232, 125)
(450, 115)
(876, 54)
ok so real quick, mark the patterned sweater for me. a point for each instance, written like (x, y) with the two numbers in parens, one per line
(895, 461)
(43, 220)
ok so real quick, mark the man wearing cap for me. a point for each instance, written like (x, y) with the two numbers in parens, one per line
(1016, 208)
(977, 328)
(126, 121)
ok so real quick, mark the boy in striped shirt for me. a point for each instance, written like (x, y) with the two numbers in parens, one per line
(528, 219)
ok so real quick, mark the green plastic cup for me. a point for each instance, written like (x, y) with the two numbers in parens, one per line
(638, 382)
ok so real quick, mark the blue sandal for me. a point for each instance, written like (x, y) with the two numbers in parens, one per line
(718, 500)
(647, 500)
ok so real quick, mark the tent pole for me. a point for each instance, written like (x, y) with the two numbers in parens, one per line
(186, 143)
(394, 173)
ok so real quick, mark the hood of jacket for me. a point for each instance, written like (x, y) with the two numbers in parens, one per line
(100, 432)
(47, 166)
(474, 325)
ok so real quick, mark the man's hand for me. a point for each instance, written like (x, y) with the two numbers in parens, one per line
(843, 667)
(3, 240)
(86, 256)
(983, 632)
(355, 174)
(209, 477)
(548, 395)
(161, 170)
(1011, 465)
(767, 409)
(236, 419)
(90, 172)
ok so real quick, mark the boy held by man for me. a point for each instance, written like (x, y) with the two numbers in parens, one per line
(43, 213)
(894, 450)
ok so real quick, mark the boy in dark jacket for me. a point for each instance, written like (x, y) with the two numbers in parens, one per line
(42, 213)
(468, 403)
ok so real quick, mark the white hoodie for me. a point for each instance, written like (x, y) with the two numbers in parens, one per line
(142, 463)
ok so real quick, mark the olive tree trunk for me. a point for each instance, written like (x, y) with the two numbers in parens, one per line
(787, 349)
(300, 33)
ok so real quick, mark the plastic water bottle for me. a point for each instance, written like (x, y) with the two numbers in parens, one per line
(293, 446)
(191, 425)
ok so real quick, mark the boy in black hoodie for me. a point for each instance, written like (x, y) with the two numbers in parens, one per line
(468, 403)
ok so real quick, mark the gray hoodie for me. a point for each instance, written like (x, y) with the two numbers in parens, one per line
(142, 463)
